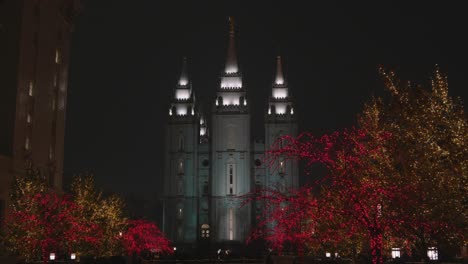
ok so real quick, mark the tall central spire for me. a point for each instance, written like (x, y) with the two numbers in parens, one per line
(231, 61)
(279, 78)
(183, 80)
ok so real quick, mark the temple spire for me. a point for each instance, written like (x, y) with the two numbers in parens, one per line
(279, 78)
(231, 61)
(184, 79)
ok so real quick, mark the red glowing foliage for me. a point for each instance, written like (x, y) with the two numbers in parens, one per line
(144, 236)
(356, 198)
(49, 226)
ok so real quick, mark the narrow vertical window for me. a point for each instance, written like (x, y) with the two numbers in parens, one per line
(28, 118)
(180, 187)
(180, 167)
(231, 224)
(281, 167)
(57, 56)
(51, 153)
(181, 142)
(179, 233)
(180, 213)
(231, 178)
(31, 88)
(26, 143)
(282, 185)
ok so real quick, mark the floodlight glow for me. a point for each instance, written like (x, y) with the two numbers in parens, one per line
(280, 93)
(182, 94)
(183, 82)
(231, 69)
(231, 82)
(181, 110)
(280, 109)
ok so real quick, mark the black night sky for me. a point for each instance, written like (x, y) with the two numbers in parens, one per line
(126, 58)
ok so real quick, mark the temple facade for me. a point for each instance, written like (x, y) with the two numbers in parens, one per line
(211, 160)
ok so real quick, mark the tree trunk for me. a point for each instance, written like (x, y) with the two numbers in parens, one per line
(376, 246)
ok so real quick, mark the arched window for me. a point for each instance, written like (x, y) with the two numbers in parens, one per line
(281, 166)
(180, 167)
(180, 211)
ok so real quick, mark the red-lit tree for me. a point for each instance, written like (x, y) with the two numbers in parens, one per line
(48, 225)
(144, 236)
(357, 199)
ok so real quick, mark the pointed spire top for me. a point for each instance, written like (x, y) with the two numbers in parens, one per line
(184, 80)
(231, 27)
(279, 78)
(231, 61)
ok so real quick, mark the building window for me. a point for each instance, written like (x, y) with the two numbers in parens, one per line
(28, 118)
(26, 143)
(180, 167)
(180, 187)
(205, 231)
(51, 153)
(396, 252)
(58, 58)
(179, 233)
(180, 212)
(231, 178)
(31, 88)
(54, 103)
(181, 142)
(231, 224)
(55, 80)
(258, 162)
(281, 167)
(282, 185)
(433, 253)
(62, 103)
